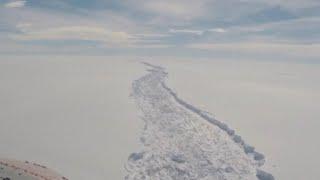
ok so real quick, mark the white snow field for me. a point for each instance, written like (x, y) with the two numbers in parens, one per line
(115, 117)
(71, 114)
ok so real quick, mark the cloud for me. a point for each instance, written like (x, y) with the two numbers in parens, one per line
(197, 32)
(24, 26)
(151, 46)
(295, 4)
(171, 10)
(268, 48)
(301, 30)
(217, 30)
(15, 4)
(152, 35)
(106, 37)
(187, 31)
(89, 33)
(154, 23)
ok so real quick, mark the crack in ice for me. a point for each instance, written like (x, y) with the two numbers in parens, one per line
(181, 141)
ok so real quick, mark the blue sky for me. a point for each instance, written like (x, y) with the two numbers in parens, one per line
(160, 27)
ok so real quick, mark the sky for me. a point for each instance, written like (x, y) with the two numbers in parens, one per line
(166, 27)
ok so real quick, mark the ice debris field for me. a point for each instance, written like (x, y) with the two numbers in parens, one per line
(181, 141)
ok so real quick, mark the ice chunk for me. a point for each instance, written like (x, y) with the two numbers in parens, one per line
(258, 156)
(136, 156)
(178, 158)
(248, 149)
(261, 175)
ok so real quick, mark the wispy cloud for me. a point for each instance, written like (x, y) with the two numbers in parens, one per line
(186, 31)
(289, 3)
(217, 30)
(198, 32)
(174, 9)
(75, 33)
(15, 4)
(261, 48)
(107, 38)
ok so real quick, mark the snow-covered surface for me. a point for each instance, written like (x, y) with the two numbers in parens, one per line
(75, 115)
(72, 114)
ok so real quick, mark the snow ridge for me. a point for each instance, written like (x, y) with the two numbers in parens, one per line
(179, 144)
